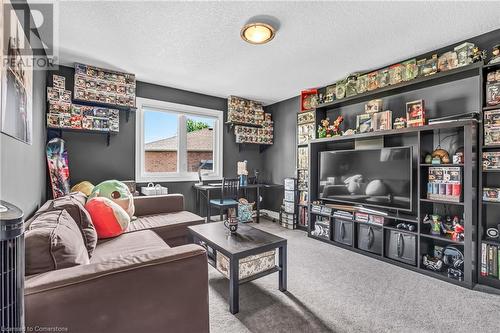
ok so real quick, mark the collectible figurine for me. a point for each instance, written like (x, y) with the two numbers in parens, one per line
(435, 223)
(458, 229)
(477, 55)
(399, 123)
(350, 131)
(335, 128)
(323, 129)
(447, 226)
(495, 54)
(350, 87)
(321, 99)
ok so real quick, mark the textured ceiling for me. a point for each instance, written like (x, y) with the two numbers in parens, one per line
(196, 45)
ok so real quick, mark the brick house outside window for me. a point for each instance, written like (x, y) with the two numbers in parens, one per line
(161, 155)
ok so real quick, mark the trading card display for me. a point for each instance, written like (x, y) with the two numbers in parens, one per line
(93, 84)
(245, 111)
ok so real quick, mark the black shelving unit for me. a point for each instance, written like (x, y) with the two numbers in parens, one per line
(424, 140)
(488, 211)
(302, 172)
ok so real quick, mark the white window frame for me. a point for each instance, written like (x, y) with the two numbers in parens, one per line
(140, 173)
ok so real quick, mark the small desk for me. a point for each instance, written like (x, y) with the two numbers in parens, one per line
(205, 190)
(245, 242)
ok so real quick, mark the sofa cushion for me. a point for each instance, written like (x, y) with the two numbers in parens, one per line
(53, 241)
(74, 204)
(127, 244)
(167, 226)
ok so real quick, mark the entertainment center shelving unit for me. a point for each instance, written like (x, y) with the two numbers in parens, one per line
(423, 139)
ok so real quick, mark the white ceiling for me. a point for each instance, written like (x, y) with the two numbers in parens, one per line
(196, 45)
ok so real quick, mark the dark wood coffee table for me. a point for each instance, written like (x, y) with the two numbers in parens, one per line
(247, 241)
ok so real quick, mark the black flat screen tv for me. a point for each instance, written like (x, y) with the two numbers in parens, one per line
(373, 177)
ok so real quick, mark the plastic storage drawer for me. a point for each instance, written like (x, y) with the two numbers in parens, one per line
(289, 196)
(289, 184)
(402, 247)
(370, 238)
(289, 207)
(343, 232)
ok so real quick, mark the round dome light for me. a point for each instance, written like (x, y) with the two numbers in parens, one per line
(257, 33)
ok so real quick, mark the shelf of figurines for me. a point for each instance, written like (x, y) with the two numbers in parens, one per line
(375, 122)
(250, 123)
(429, 80)
(463, 61)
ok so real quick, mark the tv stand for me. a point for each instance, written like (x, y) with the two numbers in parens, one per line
(386, 241)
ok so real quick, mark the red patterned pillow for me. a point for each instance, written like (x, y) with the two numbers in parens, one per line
(109, 219)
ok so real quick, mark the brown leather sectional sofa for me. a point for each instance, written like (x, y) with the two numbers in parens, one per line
(146, 280)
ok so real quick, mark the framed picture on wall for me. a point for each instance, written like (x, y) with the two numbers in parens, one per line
(16, 86)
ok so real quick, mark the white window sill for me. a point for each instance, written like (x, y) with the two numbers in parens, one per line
(174, 179)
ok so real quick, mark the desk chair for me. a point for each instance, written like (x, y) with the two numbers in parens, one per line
(228, 199)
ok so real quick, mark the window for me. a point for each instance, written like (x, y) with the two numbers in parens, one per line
(174, 141)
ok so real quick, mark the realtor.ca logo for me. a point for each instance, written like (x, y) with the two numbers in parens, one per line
(28, 38)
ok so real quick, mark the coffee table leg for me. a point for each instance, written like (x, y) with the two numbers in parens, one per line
(208, 206)
(282, 264)
(257, 220)
(234, 287)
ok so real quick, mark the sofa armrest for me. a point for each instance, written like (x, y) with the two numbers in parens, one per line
(146, 292)
(158, 204)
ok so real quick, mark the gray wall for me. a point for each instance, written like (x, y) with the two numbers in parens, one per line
(90, 159)
(278, 161)
(23, 166)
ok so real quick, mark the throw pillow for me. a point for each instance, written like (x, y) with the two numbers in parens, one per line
(116, 191)
(53, 241)
(110, 220)
(74, 204)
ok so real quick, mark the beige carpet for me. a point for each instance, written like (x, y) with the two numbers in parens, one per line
(335, 290)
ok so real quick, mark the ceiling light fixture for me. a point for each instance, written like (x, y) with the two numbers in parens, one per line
(257, 33)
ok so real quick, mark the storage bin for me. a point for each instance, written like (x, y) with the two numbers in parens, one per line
(289, 196)
(289, 184)
(289, 207)
(249, 266)
(343, 232)
(245, 212)
(370, 238)
(153, 189)
(401, 246)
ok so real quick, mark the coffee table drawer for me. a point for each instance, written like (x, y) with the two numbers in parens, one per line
(249, 266)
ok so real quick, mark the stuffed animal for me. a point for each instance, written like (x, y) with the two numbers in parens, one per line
(376, 188)
(355, 184)
(442, 154)
(117, 192)
(85, 187)
(109, 219)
